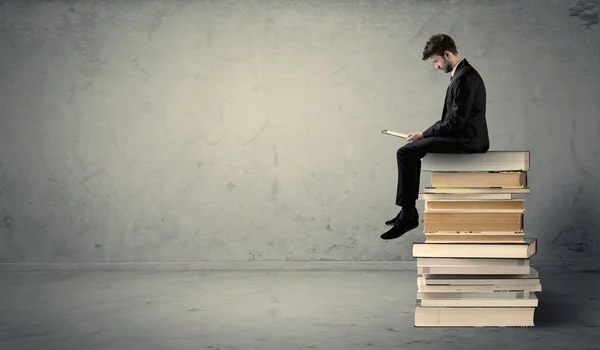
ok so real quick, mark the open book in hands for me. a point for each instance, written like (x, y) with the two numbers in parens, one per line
(397, 134)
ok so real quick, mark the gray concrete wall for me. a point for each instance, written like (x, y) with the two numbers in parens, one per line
(250, 130)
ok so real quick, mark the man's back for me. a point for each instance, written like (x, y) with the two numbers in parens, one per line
(475, 130)
(467, 94)
(463, 115)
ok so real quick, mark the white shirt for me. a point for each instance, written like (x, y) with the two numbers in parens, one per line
(454, 69)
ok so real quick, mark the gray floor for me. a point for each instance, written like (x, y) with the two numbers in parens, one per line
(268, 310)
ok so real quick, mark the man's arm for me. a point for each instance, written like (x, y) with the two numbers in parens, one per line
(458, 114)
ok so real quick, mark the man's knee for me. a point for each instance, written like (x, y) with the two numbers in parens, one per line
(404, 151)
(416, 149)
(406, 154)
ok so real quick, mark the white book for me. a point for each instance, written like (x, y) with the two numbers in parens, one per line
(517, 250)
(430, 262)
(473, 270)
(489, 161)
(478, 299)
(430, 196)
(477, 288)
(474, 316)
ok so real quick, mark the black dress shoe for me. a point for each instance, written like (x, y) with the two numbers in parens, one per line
(400, 228)
(392, 222)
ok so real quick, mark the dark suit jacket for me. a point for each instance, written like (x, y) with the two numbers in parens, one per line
(463, 115)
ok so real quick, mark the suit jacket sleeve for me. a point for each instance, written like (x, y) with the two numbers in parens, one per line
(457, 115)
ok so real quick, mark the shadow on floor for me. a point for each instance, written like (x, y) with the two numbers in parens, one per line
(568, 299)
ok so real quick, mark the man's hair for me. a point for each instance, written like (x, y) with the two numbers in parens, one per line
(437, 45)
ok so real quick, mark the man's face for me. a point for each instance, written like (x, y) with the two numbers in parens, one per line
(440, 62)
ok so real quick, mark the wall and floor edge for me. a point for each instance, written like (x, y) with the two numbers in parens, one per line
(402, 265)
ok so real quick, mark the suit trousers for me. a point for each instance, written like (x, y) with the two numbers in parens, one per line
(409, 164)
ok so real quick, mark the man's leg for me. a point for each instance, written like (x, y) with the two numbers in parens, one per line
(409, 171)
(408, 158)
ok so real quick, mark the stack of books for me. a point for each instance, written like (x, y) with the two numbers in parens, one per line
(473, 268)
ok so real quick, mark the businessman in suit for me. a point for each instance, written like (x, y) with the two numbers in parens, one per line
(461, 129)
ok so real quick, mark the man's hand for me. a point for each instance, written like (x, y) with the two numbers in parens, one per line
(414, 136)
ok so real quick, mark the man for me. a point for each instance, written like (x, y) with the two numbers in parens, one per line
(462, 129)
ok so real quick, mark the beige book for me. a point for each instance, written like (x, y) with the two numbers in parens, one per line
(479, 180)
(473, 238)
(472, 221)
(491, 299)
(489, 161)
(474, 317)
(464, 190)
(476, 210)
(395, 133)
(493, 204)
(520, 250)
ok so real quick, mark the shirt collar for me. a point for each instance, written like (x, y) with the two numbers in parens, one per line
(454, 69)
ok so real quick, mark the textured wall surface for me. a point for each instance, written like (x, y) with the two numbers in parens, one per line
(250, 130)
